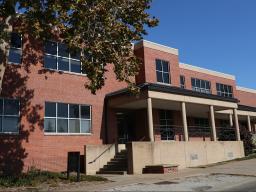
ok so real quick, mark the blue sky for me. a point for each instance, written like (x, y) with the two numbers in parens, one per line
(215, 34)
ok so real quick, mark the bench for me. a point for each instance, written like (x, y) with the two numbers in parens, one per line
(160, 169)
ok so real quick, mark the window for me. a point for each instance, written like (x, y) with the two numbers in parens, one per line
(166, 125)
(182, 82)
(202, 86)
(224, 90)
(9, 115)
(58, 56)
(15, 51)
(201, 122)
(162, 71)
(67, 118)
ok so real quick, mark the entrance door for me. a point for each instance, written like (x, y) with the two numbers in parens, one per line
(125, 126)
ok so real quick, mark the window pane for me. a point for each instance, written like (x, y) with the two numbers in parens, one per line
(158, 65)
(85, 126)
(50, 125)
(11, 107)
(62, 126)
(75, 66)
(10, 124)
(14, 56)
(62, 110)
(85, 112)
(63, 50)
(1, 106)
(75, 54)
(165, 66)
(198, 83)
(74, 126)
(15, 40)
(50, 62)
(166, 78)
(193, 82)
(63, 64)
(73, 111)
(50, 47)
(159, 76)
(50, 109)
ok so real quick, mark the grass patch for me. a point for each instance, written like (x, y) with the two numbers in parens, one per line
(34, 178)
(248, 157)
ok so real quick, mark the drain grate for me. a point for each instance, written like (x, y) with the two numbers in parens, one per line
(166, 183)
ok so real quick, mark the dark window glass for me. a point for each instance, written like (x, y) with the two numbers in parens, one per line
(158, 65)
(73, 111)
(224, 90)
(50, 62)
(50, 47)
(50, 109)
(75, 54)
(182, 81)
(159, 76)
(10, 124)
(14, 56)
(62, 110)
(11, 107)
(75, 66)
(63, 64)
(165, 66)
(166, 78)
(74, 126)
(16, 40)
(63, 50)
(85, 126)
(193, 82)
(62, 126)
(1, 106)
(85, 112)
(50, 125)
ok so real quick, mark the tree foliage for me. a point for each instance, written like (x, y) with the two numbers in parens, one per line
(102, 29)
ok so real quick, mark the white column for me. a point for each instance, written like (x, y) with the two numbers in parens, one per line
(214, 135)
(150, 120)
(237, 125)
(184, 120)
(249, 123)
(231, 120)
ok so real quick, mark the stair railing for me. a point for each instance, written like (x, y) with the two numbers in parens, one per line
(101, 154)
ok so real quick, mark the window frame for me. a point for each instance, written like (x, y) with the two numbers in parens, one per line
(3, 115)
(14, 48)
(201, 89)
(57, 56)
(182, 80)
(68, 119)
(166, 127)
(163, 72)
(224, 93)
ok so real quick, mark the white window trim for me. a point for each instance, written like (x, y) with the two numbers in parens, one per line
(13, 63)
(163, 72)
(2, 117)
(69, 58)
(201, 89)
(69, 118)
(223, 93)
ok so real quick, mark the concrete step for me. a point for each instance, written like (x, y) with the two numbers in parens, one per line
(114, 168)
(112, 172)
(118, 159)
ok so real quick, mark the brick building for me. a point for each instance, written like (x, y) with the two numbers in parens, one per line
(46, 110)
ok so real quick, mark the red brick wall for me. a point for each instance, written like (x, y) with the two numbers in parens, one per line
(246, 98)
(34, 85)
(148, 68)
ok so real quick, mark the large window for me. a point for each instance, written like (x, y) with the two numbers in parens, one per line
(200, 85)
(15, 51)
(162, 71)
(67, 118)
(9, 116)
(182, 82)
(166, 125)
(224, 90)
(58, 56)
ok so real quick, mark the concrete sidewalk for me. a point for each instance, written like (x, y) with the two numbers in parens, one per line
(243, 168)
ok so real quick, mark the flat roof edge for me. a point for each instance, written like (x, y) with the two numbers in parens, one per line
(156, 46)
(246, 89)
(206, 71)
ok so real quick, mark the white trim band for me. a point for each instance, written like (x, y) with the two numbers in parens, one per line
(159, 47)
(245, 89)
(206, 71)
